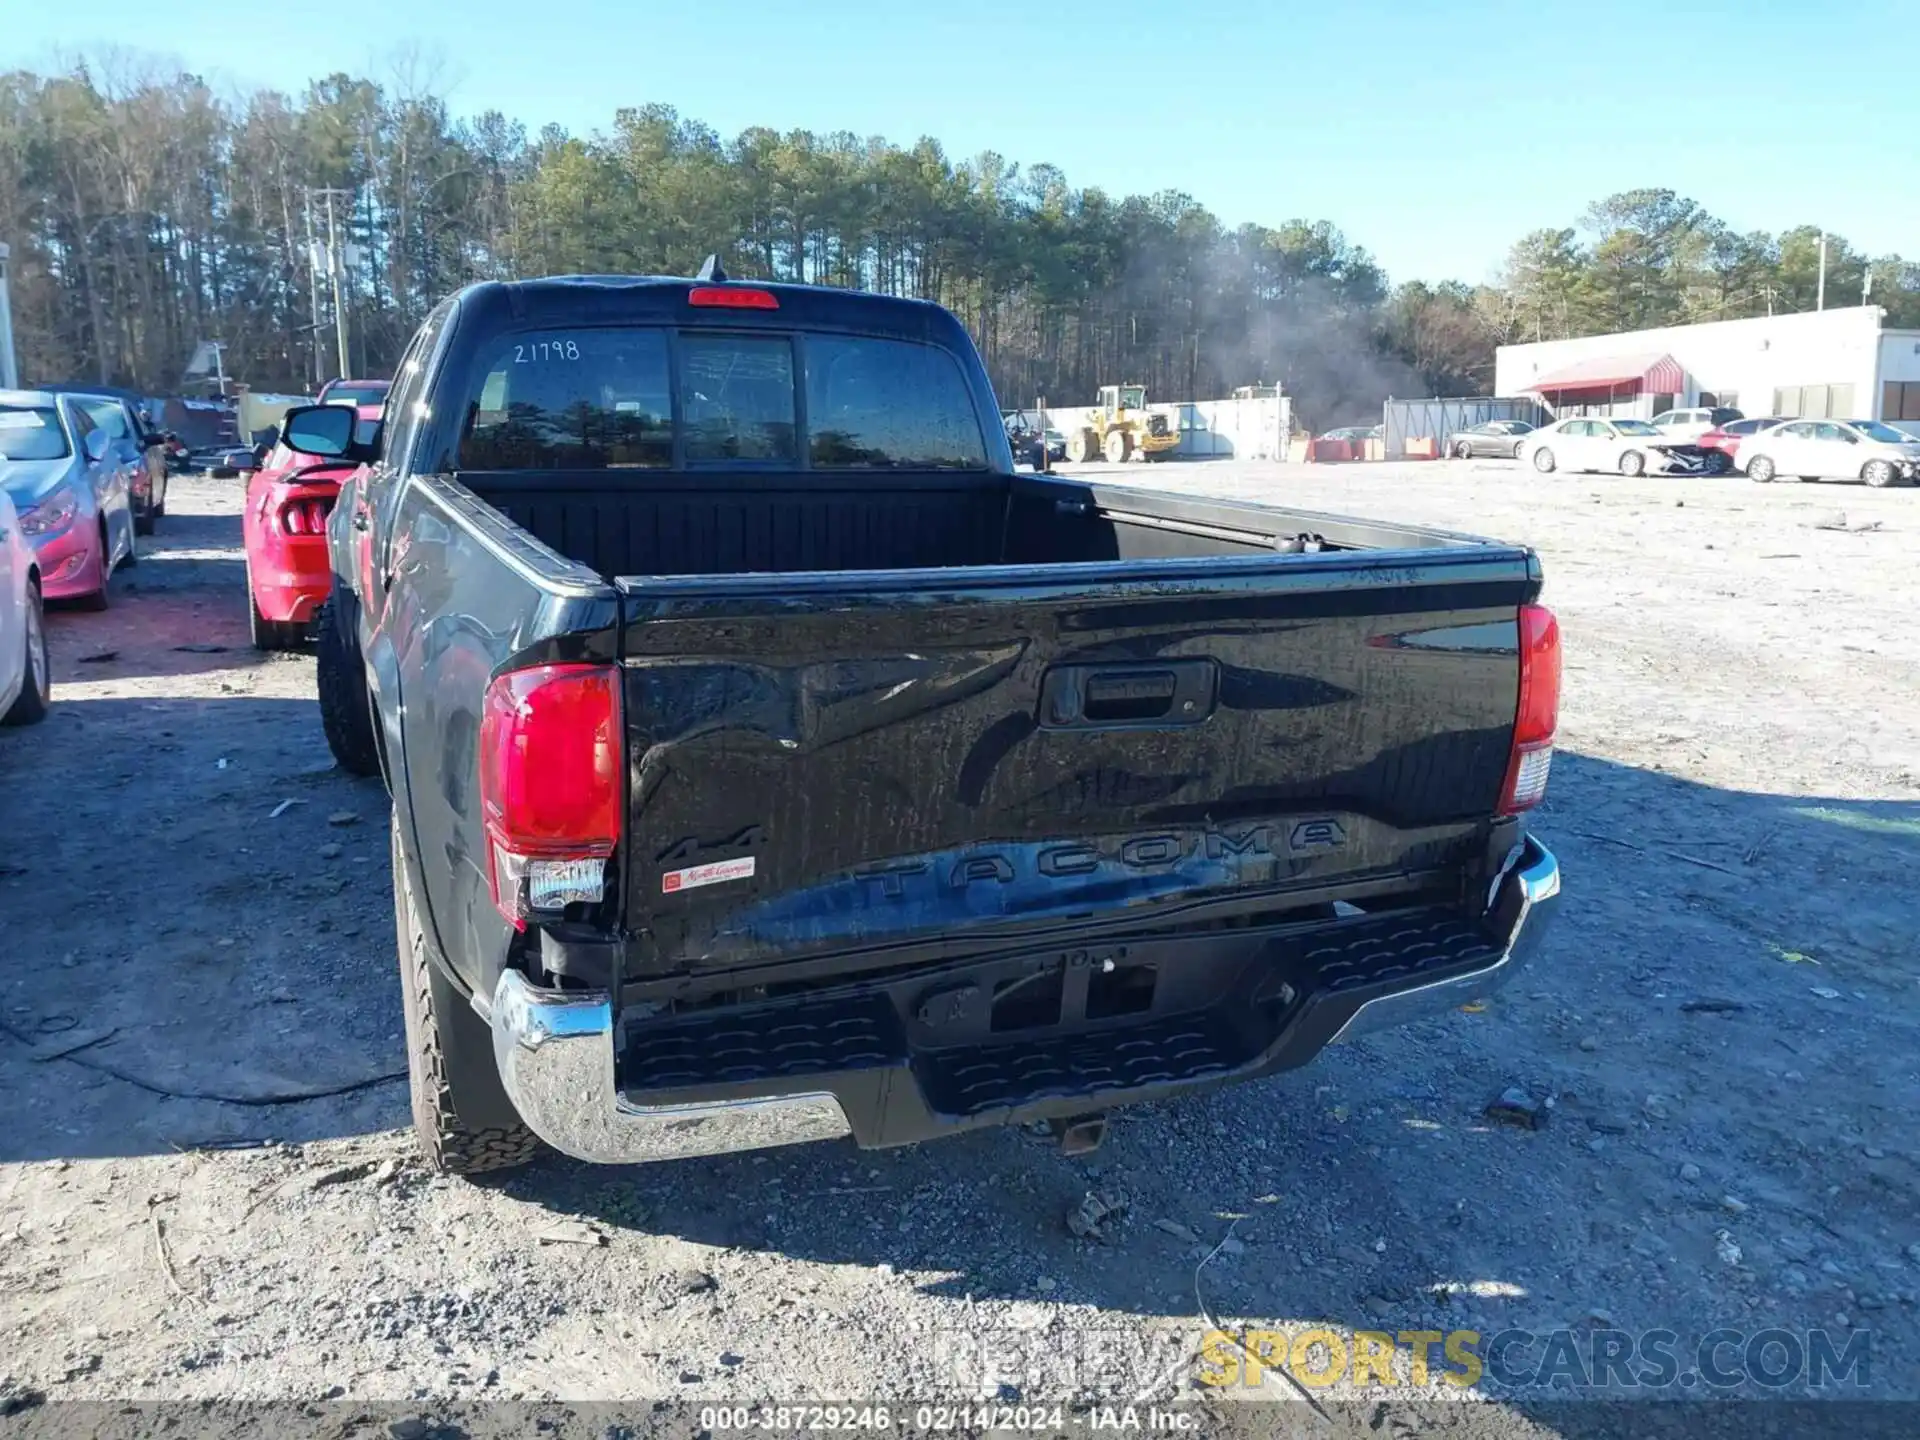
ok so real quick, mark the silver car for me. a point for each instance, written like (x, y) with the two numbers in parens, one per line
(135, 444)
(72, 492)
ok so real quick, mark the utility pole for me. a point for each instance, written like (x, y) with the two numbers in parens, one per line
(9, 370)
(313, 299)
(336, 267)
(1820, 295)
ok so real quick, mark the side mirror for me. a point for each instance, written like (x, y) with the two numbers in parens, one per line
(325, 431)
(95, 445)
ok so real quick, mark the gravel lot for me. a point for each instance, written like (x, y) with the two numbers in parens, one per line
(207, 1189)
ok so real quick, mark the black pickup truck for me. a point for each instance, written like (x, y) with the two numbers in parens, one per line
(770, 761)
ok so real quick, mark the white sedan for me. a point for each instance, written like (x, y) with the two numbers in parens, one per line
(1833, 450)
(24, 685)
(1617, 445)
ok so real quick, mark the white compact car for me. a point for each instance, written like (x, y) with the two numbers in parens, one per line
(24, 672)
(1833, 450)
(1616, 444)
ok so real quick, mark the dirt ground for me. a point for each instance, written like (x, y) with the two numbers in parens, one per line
(207, 1188)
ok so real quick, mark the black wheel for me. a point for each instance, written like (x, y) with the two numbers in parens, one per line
(1463, 451)
(1118, 447)
(1543, 460)
(450, 1066)
(1633, 464)
(1879, 473)
(1760, 470)
(143, 519)
(1082, 446)
(36, 682)
(346, 713)
(1519, 449)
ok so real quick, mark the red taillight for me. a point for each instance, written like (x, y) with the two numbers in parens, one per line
(550, 785)
(732, 297)
(305, 517)
(1538, 713)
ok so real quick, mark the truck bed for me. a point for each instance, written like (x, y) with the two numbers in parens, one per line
(628, 523)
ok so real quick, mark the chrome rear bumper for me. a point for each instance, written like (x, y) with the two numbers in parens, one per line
(1524, 900)
(556, 1050)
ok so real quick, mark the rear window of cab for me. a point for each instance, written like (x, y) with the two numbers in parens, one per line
(594, 399)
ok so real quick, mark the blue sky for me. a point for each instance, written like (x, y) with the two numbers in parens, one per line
(1432, 133)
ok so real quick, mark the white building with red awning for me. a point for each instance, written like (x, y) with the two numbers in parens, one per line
(1841, 363)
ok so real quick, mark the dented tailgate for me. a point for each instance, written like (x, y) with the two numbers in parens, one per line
(829, 762)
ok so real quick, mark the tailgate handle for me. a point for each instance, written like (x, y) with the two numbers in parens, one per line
(1177, 693)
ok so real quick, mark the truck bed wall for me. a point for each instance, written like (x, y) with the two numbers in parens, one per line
(736, 523)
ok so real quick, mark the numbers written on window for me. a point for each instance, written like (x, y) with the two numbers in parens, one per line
(594, 400)
(591, 399)
(541, 352)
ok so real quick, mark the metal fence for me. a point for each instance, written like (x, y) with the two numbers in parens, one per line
(1439, 420)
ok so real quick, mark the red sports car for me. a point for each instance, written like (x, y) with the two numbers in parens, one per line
(285, 527)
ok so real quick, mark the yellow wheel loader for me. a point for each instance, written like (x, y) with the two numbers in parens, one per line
(1121, 427)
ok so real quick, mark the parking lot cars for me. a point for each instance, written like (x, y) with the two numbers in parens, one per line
(1616, 445)
(73, 494)
(25, 675)
(1026, 445)
(1502, 438)
(1689, 425)
(715, 836)
(1863, 450)
(137, 447)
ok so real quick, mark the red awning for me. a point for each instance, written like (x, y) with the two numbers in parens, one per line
(1648, 374)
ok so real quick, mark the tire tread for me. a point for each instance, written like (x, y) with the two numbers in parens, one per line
(345, 716)
(450, 1147)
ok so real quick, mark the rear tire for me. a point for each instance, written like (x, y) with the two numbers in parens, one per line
(1633, 464)
(1543, 460)
(268, 635)
(143, 521)
(1879, 473)
(1463, 451)
(1082, 446)
(1519, 450)
(434, 1008)
(346, 709)
(1119, 447)
(1760, 470)
(36, 682)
